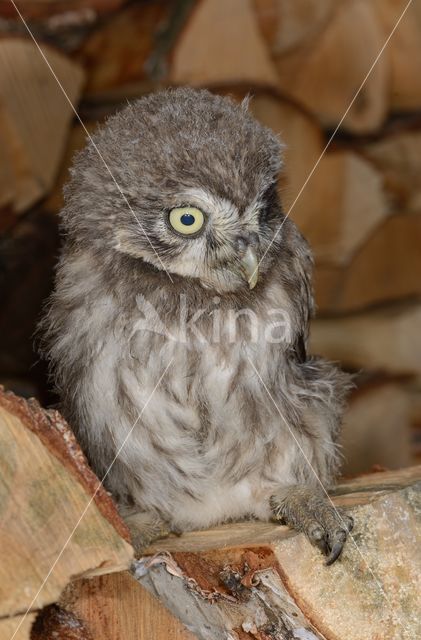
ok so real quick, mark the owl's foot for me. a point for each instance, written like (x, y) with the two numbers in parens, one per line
(145, 527)
(304, 509)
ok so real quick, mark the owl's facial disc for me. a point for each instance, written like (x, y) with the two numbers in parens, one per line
(213, 240)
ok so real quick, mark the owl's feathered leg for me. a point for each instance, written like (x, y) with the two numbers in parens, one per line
(145, 527)
(307, 510)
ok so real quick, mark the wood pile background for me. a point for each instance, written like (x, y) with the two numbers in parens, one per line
(303, 62)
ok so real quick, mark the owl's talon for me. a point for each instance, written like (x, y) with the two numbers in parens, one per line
(307, 511)
(336, 550)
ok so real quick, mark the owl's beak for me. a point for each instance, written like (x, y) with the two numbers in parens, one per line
(250, 266)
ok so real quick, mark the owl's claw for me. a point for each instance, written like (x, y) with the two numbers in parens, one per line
(306, 510)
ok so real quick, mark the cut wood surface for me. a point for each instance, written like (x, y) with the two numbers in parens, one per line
(403, 51)
(387, 339)
(221, 44)
(17, 627)
(343, 203)
(117, 607)
(21, 187)
(398, 157)
(387, 268)
(286, 25)
(56, 520)
(35, 114)
(376, 428)
(262, 581)
(115, 55)
(325, 75)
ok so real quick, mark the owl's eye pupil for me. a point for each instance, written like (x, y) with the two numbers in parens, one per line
(187, 219)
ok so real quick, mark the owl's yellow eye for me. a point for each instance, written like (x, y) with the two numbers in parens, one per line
(186, 220)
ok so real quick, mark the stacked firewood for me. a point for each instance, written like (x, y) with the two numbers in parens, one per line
(313, 68)
(66, 554)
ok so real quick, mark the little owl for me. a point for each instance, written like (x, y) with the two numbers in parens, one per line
(178, 326)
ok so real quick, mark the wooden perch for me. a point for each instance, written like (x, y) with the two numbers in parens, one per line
(265, 582)
(46, 489)
(34, 116)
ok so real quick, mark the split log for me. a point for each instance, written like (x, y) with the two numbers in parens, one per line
(221, 45)
(404, 51)
(39, 9)
(262, 581)
(115, 56)
(114, 607)
(341, 206)
(376, 430)
(35, 115)
(388, 340)
(57, 520)
(287, 25)
(385, 269)
(325, 75)
(398, 157)
(65, 24)
(17, 627)
(21, 187)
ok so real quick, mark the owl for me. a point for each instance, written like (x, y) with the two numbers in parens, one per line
(177, 330)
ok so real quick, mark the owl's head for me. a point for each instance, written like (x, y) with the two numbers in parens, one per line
(183, 180)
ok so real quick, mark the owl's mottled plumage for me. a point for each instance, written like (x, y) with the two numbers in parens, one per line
(209, 444)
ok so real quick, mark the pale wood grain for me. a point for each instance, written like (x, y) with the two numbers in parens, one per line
(50, 526)
(117, 607)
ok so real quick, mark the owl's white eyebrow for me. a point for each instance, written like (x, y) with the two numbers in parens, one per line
(209, 202)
